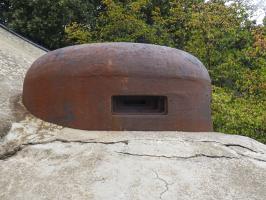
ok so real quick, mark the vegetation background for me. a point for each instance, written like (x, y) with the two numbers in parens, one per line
(220, 33)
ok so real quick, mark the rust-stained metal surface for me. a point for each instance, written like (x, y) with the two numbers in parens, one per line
(120, 86)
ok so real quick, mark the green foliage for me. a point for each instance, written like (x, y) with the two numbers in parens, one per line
(77, 34)
(44, 21)
(4, 11)
(231, 46)
(236, 115)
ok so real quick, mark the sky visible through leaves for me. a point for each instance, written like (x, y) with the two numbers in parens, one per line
(260, 6)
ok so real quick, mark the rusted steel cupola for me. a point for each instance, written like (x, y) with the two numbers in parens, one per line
(120, 86)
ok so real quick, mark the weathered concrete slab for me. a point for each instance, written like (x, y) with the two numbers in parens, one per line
(43, 161)
(39, 160)
(16, 56)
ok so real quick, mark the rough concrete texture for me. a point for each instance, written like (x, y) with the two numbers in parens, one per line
(16, 56)
(39, 160)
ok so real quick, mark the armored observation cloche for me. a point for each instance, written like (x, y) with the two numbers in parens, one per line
(120, 86)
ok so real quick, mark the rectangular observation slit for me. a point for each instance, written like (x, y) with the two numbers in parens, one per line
(139, 105)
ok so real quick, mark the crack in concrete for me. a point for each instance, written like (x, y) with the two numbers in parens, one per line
(257, 159)
(193, 156)
(11, 153)
(77, 141)
(166, 184)
(177, 157)
(15, 150)
(231, 145)
(241, 146)
(209, 141)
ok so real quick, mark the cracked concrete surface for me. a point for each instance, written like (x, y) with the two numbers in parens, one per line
(165, 183)
(39, 160)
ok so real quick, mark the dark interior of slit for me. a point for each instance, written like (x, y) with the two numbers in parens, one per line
(137, 104)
